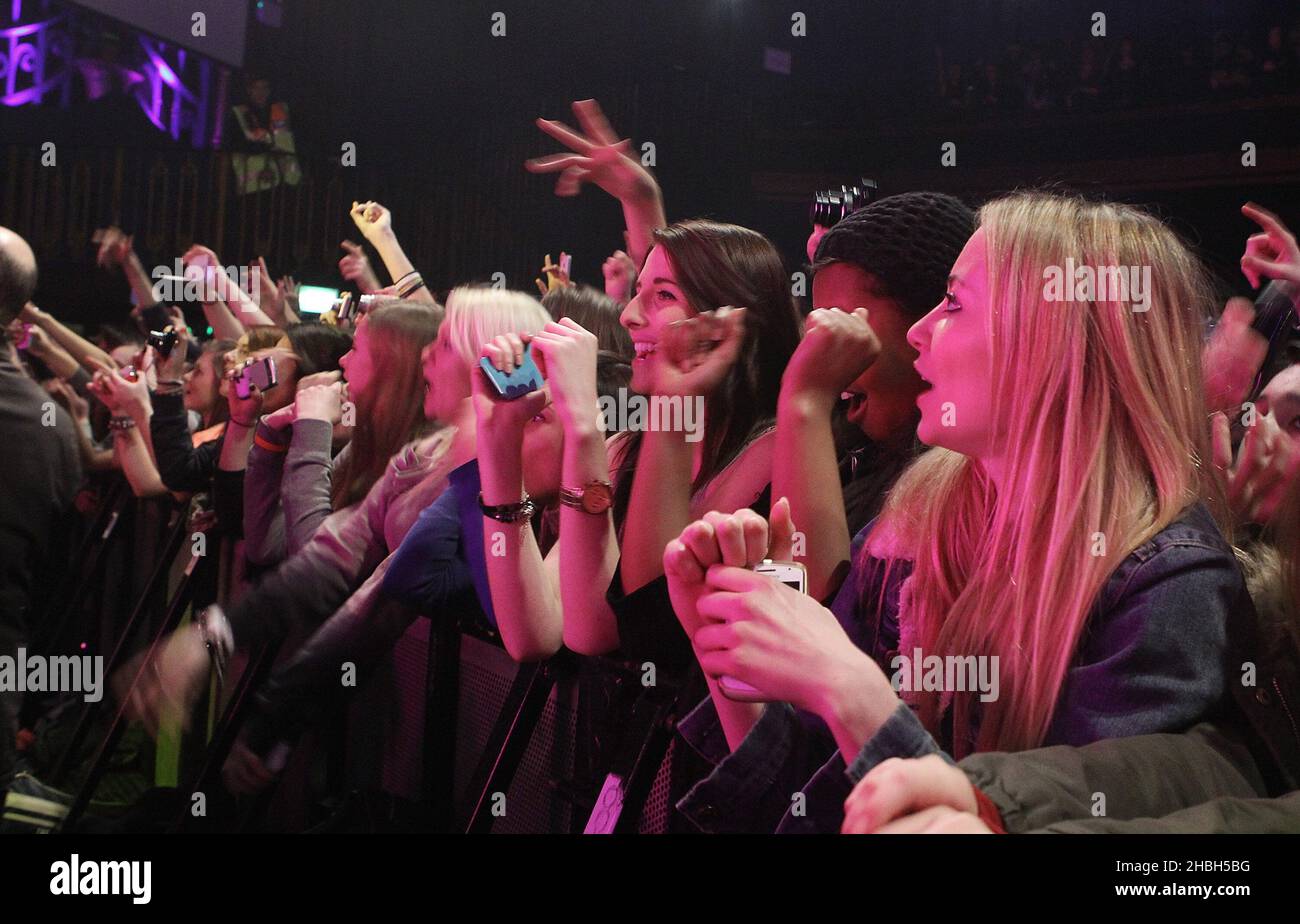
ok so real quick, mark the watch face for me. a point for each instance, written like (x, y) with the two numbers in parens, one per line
(596, 498)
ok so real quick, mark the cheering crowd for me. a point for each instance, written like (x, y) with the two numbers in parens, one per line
(1093, 498)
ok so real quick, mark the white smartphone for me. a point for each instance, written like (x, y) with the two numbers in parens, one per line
(791, 574)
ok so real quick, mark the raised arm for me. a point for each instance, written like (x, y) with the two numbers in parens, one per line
(598, 156)
(525, 589)
(220, 290)
(376, 223)
(837, 348)
(117, 248)
(77, 346)
(132, 409)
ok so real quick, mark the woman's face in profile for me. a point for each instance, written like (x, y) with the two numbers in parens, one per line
(659, 302)
(954, 358)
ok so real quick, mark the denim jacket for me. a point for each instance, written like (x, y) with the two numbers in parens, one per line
(1153, 658)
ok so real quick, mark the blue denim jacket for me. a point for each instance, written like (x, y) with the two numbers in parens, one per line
(1153, 658)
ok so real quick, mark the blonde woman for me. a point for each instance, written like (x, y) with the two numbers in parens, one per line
(1052, 554)
(341, 568)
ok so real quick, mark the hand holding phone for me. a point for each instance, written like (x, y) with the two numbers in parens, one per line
(791, 574)
(511, 385)
(259, 372)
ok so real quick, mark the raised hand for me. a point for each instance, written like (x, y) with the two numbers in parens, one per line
(267, 294)
(355, 268)
(76, 406)
(620, 276)
(244, 411)
(556, 276)
(1272, 253)
(1267, 462)
(1232, 357)
(200, 257)
(244, 773)
(372, 219)
(596, 155)
(741, 539)
(171, 368)
(837, 347)
(699, 351)
(115, 246)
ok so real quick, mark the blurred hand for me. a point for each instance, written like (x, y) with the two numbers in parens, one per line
(244, 773)
(319, 378)
(281, 419)
(837, 347)
(1267, 462)
(620, 276)
(597, 156)
(286, 293)
(355, 268)
(698, 352)
(898, 788)
(1272, 253)
(115, 246)
(1232, 357)
(266, 294)
(122, 396)
(165, 688)
(38, 342)
(76, 406)
(200, 257)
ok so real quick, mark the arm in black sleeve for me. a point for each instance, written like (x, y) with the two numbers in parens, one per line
(182, 466)
(228, 501)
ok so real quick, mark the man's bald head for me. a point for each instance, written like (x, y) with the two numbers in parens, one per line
(17, 275)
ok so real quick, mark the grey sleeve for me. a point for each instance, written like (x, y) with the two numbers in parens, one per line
(305, 487)
(1227, 815)
(263, 515)
(1116, 779)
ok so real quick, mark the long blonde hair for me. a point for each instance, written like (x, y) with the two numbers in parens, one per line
(1101, 414)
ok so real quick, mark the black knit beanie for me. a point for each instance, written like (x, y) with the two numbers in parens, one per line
(908, 241)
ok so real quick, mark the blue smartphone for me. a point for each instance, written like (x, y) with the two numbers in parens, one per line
(527, 378)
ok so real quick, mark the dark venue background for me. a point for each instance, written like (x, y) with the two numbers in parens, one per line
(441, 112)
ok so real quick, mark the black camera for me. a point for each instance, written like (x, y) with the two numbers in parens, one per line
(831, 205)
(163, 341)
